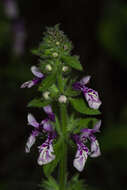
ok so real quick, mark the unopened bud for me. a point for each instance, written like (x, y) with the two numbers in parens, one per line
(48, 67)
(65, 68)
(62, 99)
(57, 43)
(46, 95)
(55, 54)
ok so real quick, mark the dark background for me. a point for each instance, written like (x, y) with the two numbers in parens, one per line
(98, 30)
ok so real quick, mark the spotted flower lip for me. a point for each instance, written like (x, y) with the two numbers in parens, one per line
(44, 126)
(90, 95)
(82, 151)
(81, 154)
(46, 151)
(38, 78)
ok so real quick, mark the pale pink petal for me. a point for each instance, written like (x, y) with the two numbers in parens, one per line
(32, 121)
(97, 126)
(36, 72)
(27, 84)
(95, 149)
(80, 160)
(85, 80)
(31, 140)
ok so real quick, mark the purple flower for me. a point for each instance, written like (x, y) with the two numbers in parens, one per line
(91, 95)
(82, 151)
(11, 9)
(89, 134)
(46, 151)
(44, 126)
(81, 154)
(36, 80)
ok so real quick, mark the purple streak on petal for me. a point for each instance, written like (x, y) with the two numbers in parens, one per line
(77, 86)
(92, 98)
(85, 80)
(27, 84)
(31, 140)
(46, 150)
(36, 72)
(80, 157)
(32, 121)
(95, 149)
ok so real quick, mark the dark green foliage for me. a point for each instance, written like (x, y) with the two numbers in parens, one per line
(50, 184)
(38, 103)
(76, 184)
(73, 62)
(47, 82)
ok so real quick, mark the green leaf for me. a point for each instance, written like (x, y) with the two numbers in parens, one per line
(72, 62)
(57, 125)
(50, 184)
(47, 82)
(38, 103)
(81, 106)
(84, 123)
(76, 184)
(49, 168)
(71, 93)
(60, 82)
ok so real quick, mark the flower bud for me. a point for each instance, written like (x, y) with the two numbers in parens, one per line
(48, 67)
(55, 54)
(65, 68)
(57, 43)
(46, 95)
(62, 99)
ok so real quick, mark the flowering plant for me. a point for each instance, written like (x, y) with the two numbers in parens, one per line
(61, 99)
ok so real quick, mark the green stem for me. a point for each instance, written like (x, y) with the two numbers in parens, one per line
(63, 163)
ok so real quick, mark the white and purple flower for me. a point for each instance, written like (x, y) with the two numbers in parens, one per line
(46, 150)
(44, 126)
(38, 78)
(91, 95)
(81, 154)
(82, 151)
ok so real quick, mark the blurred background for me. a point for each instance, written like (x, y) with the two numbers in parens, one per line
(98, 30)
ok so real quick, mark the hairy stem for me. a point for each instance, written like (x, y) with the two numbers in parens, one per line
(63, 163)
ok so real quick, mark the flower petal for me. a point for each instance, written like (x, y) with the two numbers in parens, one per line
(80, 160)
(47, 126)
(92, 98)
(36, 72)
(97, 126)
(85, 80)
(46, 155)
(27, 84)
(48, 109)
(32, 121)
(95, 149)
